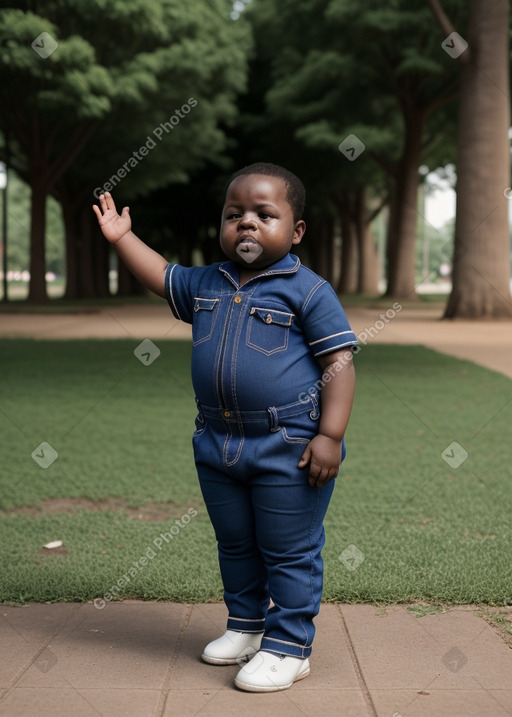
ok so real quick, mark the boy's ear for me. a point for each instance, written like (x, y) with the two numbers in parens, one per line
(298, 231)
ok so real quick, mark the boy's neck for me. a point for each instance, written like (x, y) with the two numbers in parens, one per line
(245, 274)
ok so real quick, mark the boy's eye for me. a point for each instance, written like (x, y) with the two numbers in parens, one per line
(238, 215)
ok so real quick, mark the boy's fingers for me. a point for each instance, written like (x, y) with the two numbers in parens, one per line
(320, 479)
(109, 201)
(305, 457)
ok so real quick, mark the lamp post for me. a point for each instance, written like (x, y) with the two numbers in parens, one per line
(425, 271)
(3, 187)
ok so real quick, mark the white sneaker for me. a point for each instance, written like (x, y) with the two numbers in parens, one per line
(268, 672)
(232, 648)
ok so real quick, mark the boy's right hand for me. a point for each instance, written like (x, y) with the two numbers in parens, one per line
(113, 225)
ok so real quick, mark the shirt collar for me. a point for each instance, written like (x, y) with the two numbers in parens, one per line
(289, 264)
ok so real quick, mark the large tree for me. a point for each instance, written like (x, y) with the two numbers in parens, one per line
(481, 264)
(50, 107)
(288, 116)
(118, 73)
(180, 120)
(374, 72)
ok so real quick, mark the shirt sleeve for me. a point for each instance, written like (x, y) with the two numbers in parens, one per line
(179, 292)
(325, 324)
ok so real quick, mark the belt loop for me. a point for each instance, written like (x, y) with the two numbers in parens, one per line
(273, 419)
(315, 413)
(200, 416)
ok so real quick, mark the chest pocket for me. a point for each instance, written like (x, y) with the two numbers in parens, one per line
(268, 330)
(205, 313)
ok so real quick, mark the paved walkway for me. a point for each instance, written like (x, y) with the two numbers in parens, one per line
(136, 659)
(141, 659)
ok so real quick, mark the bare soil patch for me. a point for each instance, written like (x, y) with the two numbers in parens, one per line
(147, 512)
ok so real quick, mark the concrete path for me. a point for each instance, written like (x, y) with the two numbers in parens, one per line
(141, 659)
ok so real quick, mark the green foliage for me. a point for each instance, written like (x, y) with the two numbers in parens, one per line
(66, 83)
(129, 64)
(120, 78)
(358, 70)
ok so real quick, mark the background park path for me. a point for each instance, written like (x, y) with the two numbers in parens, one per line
(488, 343)
(142, 658)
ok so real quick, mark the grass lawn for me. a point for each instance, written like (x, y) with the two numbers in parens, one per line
(122, 495)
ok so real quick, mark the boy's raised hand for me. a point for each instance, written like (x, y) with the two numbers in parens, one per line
(113, 225)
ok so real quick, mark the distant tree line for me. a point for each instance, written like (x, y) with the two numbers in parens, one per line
(159, 101)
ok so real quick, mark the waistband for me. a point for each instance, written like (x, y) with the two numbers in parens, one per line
(272, 414)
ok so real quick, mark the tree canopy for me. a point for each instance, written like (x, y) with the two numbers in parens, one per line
(160, 101)
(120, 78)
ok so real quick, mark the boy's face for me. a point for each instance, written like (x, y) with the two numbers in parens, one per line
(257, 227)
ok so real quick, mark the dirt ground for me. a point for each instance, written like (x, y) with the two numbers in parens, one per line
(488, 343)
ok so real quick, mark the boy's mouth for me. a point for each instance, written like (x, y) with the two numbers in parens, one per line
(248, 249)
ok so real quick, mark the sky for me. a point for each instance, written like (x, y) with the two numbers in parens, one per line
(440, 207)
(440, 199)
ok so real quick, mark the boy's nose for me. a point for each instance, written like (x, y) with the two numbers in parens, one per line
(247, 221)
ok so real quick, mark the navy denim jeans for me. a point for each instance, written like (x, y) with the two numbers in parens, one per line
(266, 517)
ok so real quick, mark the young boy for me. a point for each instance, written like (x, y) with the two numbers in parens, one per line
(274, 381)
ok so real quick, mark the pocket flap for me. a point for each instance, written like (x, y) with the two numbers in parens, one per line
(201, 304)
(272, 316)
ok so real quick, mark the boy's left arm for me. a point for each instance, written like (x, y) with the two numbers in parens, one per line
(323, 452)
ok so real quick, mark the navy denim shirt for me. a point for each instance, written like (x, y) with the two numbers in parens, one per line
(254, 345)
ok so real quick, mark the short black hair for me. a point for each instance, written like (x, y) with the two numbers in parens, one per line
(295, 192)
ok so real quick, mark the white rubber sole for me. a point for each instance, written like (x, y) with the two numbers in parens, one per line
(272, 688)
(227, 660)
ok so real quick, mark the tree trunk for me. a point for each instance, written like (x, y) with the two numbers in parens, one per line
(185, 253)
(367, 280)
(481, 264)
(127, 284)
(80, 279)
(72, 260)
(349, 253)
(37, 266)
(335, 251)
(402, 249)
(87, 252)
(321, 252)
(101, 253)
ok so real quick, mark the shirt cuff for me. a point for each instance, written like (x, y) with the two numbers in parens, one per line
(341, 340)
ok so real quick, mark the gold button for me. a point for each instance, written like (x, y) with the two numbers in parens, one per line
(226, 414)
(238, 299)
(268, 319)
